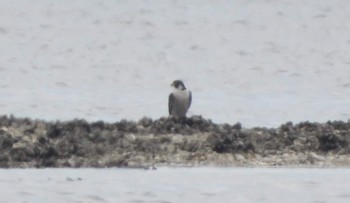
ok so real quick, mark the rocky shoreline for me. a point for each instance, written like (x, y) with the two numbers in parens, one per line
(147, 143)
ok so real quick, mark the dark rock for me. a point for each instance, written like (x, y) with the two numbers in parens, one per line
(99, 124)
(53, 131)
(126, 126)
(167, 140)
(307, 126)
(230, 142)
(48, 162)
(237, 126)
(339, 125)
(120, 162)
(331, 141)
(145, 122)
(6, 140)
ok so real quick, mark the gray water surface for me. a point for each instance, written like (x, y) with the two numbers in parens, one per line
(261, 63)
(175, 185)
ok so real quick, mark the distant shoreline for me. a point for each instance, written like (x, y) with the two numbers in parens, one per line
(147, 143)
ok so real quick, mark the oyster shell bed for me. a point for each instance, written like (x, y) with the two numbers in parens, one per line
(147, 143)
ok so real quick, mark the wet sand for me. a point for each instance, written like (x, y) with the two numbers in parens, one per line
(148, 144)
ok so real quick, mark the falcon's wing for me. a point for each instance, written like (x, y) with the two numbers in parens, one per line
(171, 102)
(190, 99)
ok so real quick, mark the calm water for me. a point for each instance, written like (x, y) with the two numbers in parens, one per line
(175, 185)
(259, 63)
(256, 62)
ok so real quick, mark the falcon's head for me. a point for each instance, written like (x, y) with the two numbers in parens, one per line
(178, 84)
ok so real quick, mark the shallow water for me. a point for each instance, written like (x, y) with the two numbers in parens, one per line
(258, 63)
(175, 185)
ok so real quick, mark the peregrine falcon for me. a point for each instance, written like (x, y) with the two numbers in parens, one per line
(179, 100)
